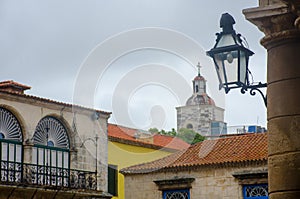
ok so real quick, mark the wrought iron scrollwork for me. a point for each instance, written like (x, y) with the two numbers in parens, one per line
(37, 175)
(83, 180)
(253, 89)
(256, 191)
(176, 194)
(11, 172)
(4, 171)
(46, 175)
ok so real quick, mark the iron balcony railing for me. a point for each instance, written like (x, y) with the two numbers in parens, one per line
(17, 173)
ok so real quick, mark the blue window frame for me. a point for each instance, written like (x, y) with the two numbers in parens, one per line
(176, 194)
(259, 191)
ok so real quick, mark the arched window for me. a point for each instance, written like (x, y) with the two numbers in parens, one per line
(259, 191)
(189, 126)
(50, 131)
(176, 194)
(50, 153)
(11, 150)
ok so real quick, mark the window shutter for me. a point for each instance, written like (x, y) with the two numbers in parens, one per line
(113, 180)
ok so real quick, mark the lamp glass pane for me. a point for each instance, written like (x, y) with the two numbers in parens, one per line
(227, 66)
(226, 40)
(231, 66)
(219, 63)
(243, 68)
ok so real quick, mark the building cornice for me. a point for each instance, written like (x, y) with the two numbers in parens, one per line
(141, 144)
(48, 103)
(277, 21)
(251, 174)
(175, 183)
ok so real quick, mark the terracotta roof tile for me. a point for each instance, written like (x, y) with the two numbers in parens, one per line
(156, 140)
(12, 86)
(12, 83)
(240, 148)
(169, 141)
(121, 132)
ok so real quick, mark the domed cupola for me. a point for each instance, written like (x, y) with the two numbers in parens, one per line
(199, 91)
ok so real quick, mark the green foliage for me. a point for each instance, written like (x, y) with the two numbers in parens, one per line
(163, 132)
(187, 135)
(190, 136)
(170, 133)
(153, 130)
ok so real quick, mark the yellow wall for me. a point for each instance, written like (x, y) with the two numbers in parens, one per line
(124, 155)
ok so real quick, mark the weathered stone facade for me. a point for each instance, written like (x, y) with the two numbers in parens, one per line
(82, 125)
(199, 117)
(209, 182)
(223, 168)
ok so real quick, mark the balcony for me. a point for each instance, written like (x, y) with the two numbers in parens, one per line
(14, 173)
(22, 180)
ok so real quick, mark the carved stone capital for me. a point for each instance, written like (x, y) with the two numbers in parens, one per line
(277, 21)
(271, 18)
(294, 6)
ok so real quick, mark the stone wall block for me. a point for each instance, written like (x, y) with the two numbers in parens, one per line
(284, 172)
(283, 81)
(285, 134)
(284, 97)
(292, 195)
(289, 56)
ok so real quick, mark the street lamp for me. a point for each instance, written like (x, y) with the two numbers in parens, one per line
(231, 58)
(95, 141)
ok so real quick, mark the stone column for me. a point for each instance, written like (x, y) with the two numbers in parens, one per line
(27, 151)
(278, 20)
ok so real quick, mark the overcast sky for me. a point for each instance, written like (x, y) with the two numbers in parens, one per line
(135, 58)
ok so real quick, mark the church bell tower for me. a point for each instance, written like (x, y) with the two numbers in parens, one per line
(200, 112)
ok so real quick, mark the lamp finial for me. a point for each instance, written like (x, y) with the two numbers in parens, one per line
(226, 22)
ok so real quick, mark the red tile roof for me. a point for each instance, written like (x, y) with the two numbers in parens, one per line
(10, 85)
(121, 134)
(236, 149)
(170, 142)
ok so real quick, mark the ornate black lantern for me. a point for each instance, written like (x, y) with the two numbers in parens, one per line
(231, 58)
